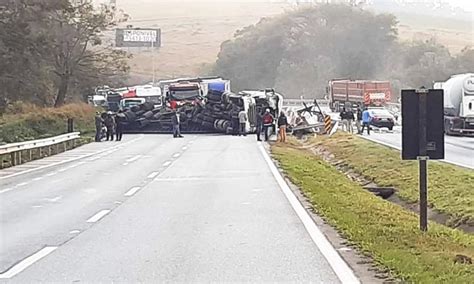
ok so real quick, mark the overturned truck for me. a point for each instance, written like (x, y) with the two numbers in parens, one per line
(216, 112)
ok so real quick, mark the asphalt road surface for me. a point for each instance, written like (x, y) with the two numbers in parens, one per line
(157, 209)
(458, 150)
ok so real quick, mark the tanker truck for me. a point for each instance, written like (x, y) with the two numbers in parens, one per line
(458, 104)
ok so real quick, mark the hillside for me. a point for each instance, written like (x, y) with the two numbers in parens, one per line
(194, 30)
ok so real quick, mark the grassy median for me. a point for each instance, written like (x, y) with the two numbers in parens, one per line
(450, 188)
(384, 230)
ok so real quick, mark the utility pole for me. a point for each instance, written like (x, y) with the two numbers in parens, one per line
(153, 57)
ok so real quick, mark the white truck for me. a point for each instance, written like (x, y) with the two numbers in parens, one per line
(458, 104)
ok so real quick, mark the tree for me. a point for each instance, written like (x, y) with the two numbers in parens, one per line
(78, 50)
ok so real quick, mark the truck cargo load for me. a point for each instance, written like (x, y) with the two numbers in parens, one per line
(358, 93)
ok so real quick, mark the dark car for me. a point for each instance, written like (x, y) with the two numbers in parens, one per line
(381, 117)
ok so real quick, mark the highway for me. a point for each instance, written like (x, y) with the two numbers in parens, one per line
(156, 209)
(458, 150)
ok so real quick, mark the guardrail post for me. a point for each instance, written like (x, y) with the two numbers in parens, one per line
(70, 125)
(29, 155)
(13, 159)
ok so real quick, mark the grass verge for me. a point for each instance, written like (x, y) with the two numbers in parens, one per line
(385, 231)
(450, 188)
(28, 122)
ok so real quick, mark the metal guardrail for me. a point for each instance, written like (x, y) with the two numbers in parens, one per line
(13, 149)
(299, 102)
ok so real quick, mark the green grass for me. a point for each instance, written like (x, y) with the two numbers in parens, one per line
(379, 228)
(27, 122)
(450, 188)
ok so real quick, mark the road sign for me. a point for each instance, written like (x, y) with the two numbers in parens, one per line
(138, 37)
(422, 136)
(414, 105)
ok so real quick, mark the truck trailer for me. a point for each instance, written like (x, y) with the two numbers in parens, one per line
(458, 104)
(358, 93)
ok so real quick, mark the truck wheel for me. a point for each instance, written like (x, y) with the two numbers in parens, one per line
(390, 128)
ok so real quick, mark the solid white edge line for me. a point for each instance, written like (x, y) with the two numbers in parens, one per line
(67, 161)
(25, 263)
(98, 216)
(167, 163)
(153, 175)
(132, 191)
(176, 155)
(339, 266)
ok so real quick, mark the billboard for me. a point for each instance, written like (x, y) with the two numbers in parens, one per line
(138, 37)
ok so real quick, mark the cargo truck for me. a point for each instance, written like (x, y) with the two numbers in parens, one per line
(458, 104)
(357, 93)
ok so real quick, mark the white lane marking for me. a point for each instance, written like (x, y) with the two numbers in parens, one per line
(340, 267)
(185, 148)
(38, 178)
(67, 161)
(37, 206)
(125, 164)
(176, 155)
(153, 175)
(22, 184)
(52, 174)
(98, 216)
(25, 263)
(74, 232)
(117, 202)
(167, 163)
(133, 159)
(132, 191)
(55, 199)
(6, 190)
(63, 170)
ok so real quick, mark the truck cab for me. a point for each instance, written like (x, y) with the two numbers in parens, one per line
(184, 92)
(458, 104)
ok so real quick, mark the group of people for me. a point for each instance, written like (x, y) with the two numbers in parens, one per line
(362, 120)
(266, 121)
(108, 126)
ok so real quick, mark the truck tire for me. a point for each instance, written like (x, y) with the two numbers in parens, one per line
(147, 106)
(135, 108)
(148, 114)
(390, 128)
(130, 116)
(208, 119)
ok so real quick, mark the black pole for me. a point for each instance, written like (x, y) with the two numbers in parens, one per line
(423, 181)
(70, 125)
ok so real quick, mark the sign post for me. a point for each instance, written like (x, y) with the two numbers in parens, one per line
(422, 136)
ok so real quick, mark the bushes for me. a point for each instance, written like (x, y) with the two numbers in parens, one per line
(28, 122)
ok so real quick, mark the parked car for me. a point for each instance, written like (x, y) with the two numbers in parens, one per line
(381, 117)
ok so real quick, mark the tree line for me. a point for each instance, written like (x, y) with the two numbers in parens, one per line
(298, 52)
(54, 51)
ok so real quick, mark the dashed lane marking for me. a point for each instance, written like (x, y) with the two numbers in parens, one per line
(24, 264)
(176, 155)
(98, 216)
(153, 175)
(132, 191)
(167, 163)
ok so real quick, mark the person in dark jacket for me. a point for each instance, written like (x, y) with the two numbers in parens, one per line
(259, 125)
(282, 124)
(359, 121)
(267, 122)
(109, 122)
(119, 124)
(235, 119)
(99, 122)
(349, 120)
(176, 121)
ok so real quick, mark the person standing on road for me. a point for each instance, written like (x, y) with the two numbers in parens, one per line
(282, 124)
(366, 119)
(243, 122)
(119, 124)
(176, 121)
(359, 121)
(350, 118)
(110, 124)
(234, 113)
(267, 122)
(259, 125)
(99, 122)
(343, 117)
